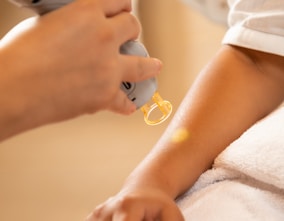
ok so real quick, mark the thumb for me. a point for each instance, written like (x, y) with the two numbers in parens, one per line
(121, 104)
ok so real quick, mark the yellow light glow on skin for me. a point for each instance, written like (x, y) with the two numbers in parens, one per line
(180, 135)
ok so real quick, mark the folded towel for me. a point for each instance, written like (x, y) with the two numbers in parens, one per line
(247, 179)
(259, 152)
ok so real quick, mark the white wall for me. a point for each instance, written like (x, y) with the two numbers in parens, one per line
(61, 171)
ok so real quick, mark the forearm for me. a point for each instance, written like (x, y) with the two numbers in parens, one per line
(27, 89)
(20, 93)
(238, 88)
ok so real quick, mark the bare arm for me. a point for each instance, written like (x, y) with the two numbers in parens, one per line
(236, 89)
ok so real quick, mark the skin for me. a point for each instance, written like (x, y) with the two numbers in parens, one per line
(236, 89)
(59, 66)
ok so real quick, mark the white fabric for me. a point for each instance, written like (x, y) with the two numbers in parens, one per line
(216, 10)
(256, 24)
(247, 179)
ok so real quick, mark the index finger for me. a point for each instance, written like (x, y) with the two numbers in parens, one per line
(136, 62)
(137, 68)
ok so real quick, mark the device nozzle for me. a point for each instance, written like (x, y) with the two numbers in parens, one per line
(157, 110)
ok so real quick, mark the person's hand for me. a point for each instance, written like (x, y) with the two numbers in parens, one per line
(140, 205)
(67, 63)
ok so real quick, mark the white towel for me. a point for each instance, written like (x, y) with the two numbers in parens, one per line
(247, 179)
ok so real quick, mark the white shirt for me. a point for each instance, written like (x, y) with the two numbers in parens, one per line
(254, 24)
(216, 10)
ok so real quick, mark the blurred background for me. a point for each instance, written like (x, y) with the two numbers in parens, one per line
(62, 171)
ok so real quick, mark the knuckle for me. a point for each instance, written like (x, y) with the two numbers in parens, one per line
(96, 213)
(123, 204)
(107, 35)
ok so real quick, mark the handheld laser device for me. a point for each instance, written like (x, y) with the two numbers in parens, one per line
(144, 94)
